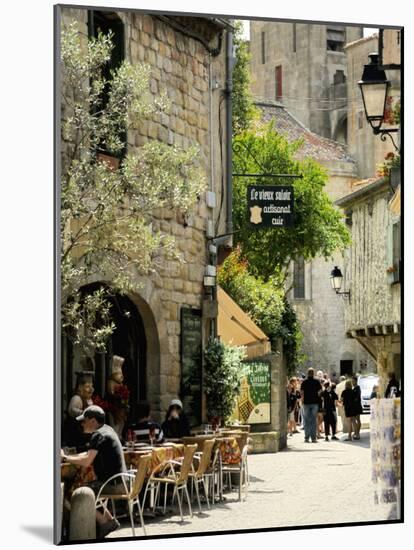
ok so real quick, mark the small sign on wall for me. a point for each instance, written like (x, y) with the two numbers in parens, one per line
(270, 205)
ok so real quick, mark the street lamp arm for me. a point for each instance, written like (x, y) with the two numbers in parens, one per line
(387, 133)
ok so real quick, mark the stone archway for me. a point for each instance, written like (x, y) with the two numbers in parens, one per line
(136, 338)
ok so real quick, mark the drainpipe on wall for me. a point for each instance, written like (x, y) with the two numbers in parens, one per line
(229, 133)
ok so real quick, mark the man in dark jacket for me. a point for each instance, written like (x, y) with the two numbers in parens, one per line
(310, 393)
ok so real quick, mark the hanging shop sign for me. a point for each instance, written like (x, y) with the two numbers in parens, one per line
(270, 205)
(253, 403)
(191, 360)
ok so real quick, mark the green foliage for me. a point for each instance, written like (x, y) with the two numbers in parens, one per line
(266, 304)
(106, 213)
(222, 376)
(290, 333)
(244, 110)
(318, 227)
(391, 161)
(262, 301)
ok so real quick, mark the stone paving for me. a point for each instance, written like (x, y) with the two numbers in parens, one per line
(306, 484)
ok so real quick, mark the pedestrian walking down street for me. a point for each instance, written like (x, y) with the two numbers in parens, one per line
(393, 386)
(339, 389)
(310, 389)
(358, 406)
(329, 399)
(293, 397)
(348, 402)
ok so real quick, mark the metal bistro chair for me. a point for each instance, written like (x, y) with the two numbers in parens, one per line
(169, 474)
(241, 468)
(133, 485)
(199, 476)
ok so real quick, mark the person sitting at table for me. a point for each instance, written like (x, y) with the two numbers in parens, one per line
(106, 456)
(175, 425)
(73, 435)
(146, 428)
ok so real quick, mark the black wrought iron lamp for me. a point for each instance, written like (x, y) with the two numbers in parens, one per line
(374, 89)
(336, 282)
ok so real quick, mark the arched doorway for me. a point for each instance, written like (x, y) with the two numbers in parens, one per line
(128, 340)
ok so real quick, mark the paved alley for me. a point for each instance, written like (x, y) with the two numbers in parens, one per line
(306, 484)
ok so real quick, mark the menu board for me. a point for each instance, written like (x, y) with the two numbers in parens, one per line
(253, 402)
(191, 363)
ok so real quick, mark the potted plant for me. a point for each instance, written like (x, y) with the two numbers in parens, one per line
(222, 377)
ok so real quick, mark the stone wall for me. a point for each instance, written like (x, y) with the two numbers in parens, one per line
(322, 313)
(366, 148)
(374, 300)
(182, 68)
(307, 70)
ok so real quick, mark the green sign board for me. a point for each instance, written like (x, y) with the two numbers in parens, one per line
(253, 403)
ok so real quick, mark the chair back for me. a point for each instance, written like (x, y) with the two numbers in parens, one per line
(198, 439)
(140, 476)
(205, 457)
(189, 451)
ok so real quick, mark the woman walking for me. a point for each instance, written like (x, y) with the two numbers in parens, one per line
(348, 402)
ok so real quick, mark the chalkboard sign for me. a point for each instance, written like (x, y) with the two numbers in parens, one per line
(270, 205)
(191, 368)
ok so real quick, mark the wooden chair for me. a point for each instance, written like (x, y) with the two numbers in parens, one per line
(174, 473)
(133, 484)
(199, 476)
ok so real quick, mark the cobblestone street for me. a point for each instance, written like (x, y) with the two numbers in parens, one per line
(306, 484)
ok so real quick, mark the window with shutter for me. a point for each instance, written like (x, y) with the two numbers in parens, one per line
(299, 278)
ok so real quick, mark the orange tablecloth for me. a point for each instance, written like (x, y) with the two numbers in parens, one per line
(159, 455)
(229, 450)
(75, 476)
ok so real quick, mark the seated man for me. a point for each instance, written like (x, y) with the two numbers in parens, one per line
(105, 453)
(146, 428)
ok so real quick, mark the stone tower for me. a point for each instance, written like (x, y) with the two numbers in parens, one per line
(304, 66)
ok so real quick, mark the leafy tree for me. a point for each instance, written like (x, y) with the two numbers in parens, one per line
(318, 227)
(222, 376)
(291, 334)
(262, 301)
(244, 110)
(106, 212)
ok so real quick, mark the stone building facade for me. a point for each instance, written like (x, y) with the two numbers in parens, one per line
(304, 66)
(320, 312)
(372, 274)
(180, 52)
(366, 148)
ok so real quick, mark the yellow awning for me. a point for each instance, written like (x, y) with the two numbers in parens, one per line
(236, 328)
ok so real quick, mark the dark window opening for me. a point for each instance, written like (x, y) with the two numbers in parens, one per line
(360, 120)
(263, 48)
(294, 36)
(335, 39)
(299, 278)
(346, 367)
(105, 22)
(278, 83)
